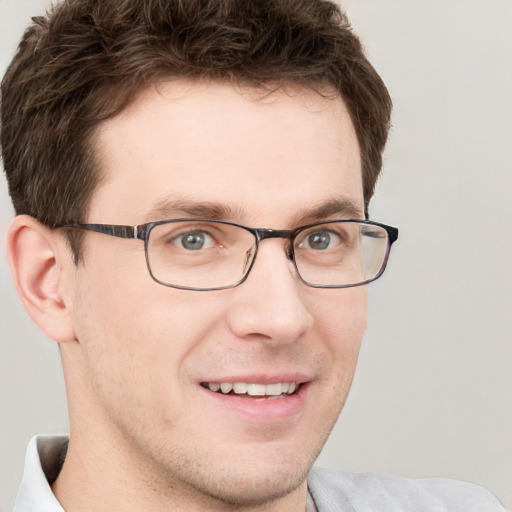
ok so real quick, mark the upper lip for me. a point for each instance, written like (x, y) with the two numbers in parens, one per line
(297, 377)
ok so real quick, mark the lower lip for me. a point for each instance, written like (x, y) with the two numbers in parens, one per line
(262, 409)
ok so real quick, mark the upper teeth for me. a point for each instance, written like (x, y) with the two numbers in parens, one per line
(242, 388)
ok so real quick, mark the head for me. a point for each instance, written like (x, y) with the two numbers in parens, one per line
(265, 114)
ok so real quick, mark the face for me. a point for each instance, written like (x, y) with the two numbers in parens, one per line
(146, 353)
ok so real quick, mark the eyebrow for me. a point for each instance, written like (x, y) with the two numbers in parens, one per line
(166, 209)
(341, 208)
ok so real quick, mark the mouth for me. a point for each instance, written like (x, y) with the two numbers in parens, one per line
(255, 391)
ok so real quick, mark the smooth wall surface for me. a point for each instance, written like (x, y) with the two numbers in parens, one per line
(433, 392)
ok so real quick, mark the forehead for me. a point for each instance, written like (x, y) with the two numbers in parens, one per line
(259, 156)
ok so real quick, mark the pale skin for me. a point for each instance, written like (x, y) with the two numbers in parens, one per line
(144, 433)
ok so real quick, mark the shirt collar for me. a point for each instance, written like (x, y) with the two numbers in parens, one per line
(42, 464)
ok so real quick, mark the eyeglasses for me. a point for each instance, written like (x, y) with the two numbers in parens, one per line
(199, 254)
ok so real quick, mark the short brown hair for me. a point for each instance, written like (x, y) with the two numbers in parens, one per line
(84, 61)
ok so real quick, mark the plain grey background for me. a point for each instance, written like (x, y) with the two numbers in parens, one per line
(433, 392)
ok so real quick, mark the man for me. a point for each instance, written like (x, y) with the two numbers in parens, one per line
(192, 183)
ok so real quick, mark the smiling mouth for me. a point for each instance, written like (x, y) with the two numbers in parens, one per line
(250, 390)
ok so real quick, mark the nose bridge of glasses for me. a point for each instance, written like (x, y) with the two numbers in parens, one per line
(262, 234)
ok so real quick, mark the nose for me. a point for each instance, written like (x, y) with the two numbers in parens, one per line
(270, 305)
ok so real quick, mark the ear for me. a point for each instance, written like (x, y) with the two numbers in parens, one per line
(40, 263)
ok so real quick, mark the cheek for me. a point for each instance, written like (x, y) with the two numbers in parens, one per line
(342, 317)
(339, 329)
(140, 327)
(137, 348)
(341, 324)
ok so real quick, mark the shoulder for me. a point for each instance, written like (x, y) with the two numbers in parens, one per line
(369, 492)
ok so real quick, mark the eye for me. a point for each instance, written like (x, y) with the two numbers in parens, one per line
(320, 240)
(194, 240)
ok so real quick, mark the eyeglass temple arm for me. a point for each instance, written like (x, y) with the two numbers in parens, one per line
(112, 230)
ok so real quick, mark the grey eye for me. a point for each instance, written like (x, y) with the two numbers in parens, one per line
(194, 241)
(319, 240)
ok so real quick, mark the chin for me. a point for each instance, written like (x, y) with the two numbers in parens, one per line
(256, 488)
(247, 478)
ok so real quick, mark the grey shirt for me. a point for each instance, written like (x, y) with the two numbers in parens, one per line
(336, 491)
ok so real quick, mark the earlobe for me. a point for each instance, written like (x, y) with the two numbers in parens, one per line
(36, 255)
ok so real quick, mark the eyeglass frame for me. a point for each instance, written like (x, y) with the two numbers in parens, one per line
(142, 232)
